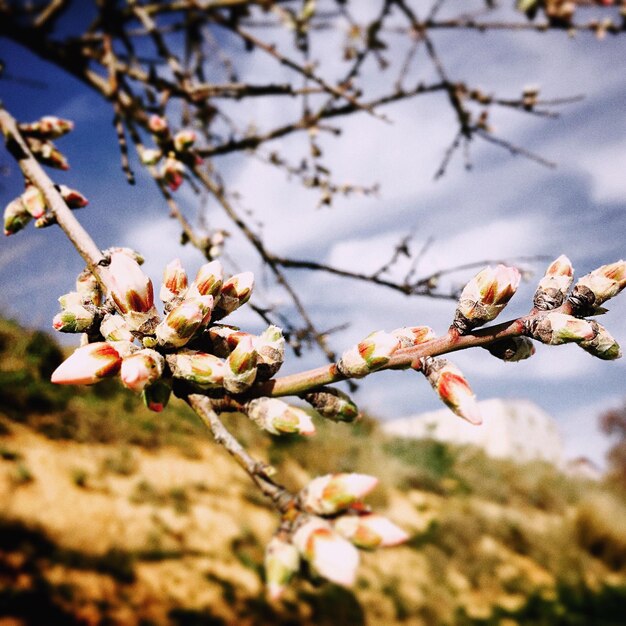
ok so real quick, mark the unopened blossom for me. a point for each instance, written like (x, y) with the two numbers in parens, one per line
(131, 290)
(330, 555)
(76, 318)
(150, 156)
(602, 345)
(452, 387)
(270, 347)
(157, 395)
(369, 355)
(48, 127)
(235, 292)
(200, 368)
(72, 197)
(598, 286)
(282, 561)
(279, 418)
(133, 254)
(157, 125)
(370, 531)
(140, 369)
(512, 349)
(224, 339)
(184, 321)
(413, 335)
(241, 370)
(88, 288)
(183, 140)
(553, 287)
(333, 404)
(47, 154)
(172, 172)
(485, 296)
(115, 328)
(332, 493)
(88, 364)
(208, 280)
(555, 328)
(34, 201)
(174, 281)
(15, 217)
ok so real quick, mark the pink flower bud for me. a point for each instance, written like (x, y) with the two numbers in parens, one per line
(15, 217)
(370, 531)
(203, 369)
(598, 286)
(172, 172)
(48, 127)
(556, 328)
(413, 335)
(484, 297)
(183, 140)
(241, 367)
(158, 125)
(74, 319)
(140, 369)
(224, 339)
(33, 201)
(88, 365)
(115, 328)
(270, 347)
(73, 198)
(174, 281)
(330, 494)
(130, 288)
(452, 387)
(330, 555)
(278, 418)
(184, 321)
(151, 156)
(208, 281)
(235, 292)
(553, 287)
(47, 154)
(282, 561)
(370, 355)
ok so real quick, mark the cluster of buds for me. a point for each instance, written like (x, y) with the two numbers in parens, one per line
(174, 150)
(333, 522)
(38, 136)
(31, 204)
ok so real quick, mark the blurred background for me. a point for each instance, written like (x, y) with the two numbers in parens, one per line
(112, 515)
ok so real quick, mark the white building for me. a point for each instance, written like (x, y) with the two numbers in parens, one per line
(514, 429)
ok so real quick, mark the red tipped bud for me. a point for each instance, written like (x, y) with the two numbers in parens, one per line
(235, 292)
(174, 281)
(115, 328)
(156, 396)
(88, 365)
(34, 201)
(140, 369)
(370, 355)
(553, 287)
(47, 154)
(172, 172)
(158, 125)
(270, 347)
(598, 286)
(183, 140)
(73, 198)
(413, 335)
(241, 367)
(15, 217)
(278, 418)
(184, 321)
(452, 387)
(203, 369)
(48, 127)
(282, 561)
(208, 281)
(370, 531)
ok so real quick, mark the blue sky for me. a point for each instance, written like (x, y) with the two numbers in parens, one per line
(505, 207)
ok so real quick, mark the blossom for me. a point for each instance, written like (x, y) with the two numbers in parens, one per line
(88, 365)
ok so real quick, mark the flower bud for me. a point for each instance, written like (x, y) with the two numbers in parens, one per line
(330, 555)
(370, 531)
(282, 561)
(114, 328)
(241, 369)
(131, 290)
(133, 254)
(157, 395)
(484, 297)
(203, 369)
(270, 347)
(174, 281)
(88, 365)
(553, 287)
(235, 292)
(556, 328)
(512, 349)
(598, 286)
(150, 156)
(208, 281)
(34, 201)
(602, 346)
(413, 335)
(73, 198)
(278, 418)
(158, 125)
(74, 319)
(450, 384)
(224, 339)
(47, 154)
(333, 404)
(172, 172)
(15, 217)
(330, 494)
(88, 288)
(183, 321)
(183, 140)
(368, 356)
(140, 369)
(48, 127)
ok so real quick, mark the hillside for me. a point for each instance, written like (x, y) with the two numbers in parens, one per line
(114, 515)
